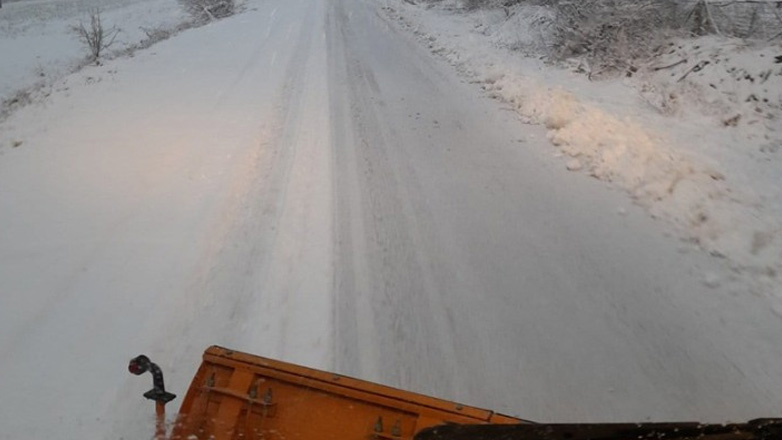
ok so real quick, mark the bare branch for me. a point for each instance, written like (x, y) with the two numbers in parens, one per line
(95, 37)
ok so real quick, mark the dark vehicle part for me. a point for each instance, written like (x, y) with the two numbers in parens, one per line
(140, 365)
(759, 429)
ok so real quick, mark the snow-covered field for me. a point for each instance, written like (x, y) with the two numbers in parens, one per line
(305, 181)
(695, 136)
(38, 45)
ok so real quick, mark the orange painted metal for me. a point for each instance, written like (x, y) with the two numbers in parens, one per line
(160, 421)
(241, 396)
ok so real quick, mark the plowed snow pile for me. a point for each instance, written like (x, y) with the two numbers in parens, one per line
(695, 137)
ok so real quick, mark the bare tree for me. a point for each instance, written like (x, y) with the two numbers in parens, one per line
(95, 37)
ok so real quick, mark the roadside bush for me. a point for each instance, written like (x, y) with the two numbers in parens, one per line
(609, 37)
(475, 4)
(611, 33)
(208, 10)
(750, 19)
(95, 37)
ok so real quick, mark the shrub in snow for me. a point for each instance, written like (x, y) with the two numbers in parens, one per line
(94, 36)
(745, 19)
(611, 33)
(156, 34)
(207, 10)
(475, 4)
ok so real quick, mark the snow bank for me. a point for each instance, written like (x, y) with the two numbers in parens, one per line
(700, 152)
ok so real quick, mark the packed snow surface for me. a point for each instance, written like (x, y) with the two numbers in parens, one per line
(306, 181)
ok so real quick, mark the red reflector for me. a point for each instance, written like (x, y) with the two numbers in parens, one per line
(135, 368)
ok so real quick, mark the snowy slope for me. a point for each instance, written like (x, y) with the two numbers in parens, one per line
(304, 181)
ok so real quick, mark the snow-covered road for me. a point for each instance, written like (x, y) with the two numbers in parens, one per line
(303, 181)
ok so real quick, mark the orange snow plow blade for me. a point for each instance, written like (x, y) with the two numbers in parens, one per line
(240, 396)
(237, 396)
